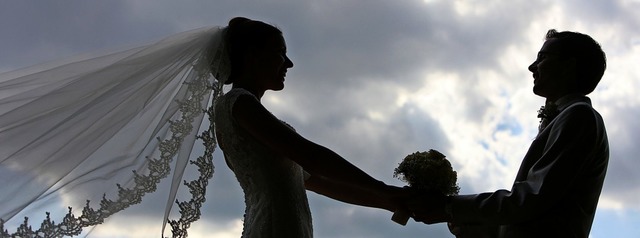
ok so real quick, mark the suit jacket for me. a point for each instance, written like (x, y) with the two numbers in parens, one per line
(557, 187)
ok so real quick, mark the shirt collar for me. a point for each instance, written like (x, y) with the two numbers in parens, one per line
(567, 100)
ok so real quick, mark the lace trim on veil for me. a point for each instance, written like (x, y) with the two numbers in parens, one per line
(201, 91)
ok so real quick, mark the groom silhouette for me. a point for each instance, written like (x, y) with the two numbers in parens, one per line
(557, 187)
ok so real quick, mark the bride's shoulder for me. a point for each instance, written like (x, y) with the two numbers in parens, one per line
(229, 99)
(233, 94)
(236, 92)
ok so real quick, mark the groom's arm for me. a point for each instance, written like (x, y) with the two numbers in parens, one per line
(473, 231)
(566, 155)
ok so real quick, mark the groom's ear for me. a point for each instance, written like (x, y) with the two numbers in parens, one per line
(570, 66)
(572, 63)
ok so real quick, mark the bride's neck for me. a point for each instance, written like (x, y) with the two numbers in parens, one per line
(252, 89)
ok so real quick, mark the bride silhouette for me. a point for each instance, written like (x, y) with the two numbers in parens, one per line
(74, 131)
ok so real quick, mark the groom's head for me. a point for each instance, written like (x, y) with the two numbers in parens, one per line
(578, 64)
(590, 59)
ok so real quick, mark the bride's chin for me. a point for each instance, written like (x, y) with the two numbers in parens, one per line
(278, 87)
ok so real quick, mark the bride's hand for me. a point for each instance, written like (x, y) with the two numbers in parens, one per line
(394, 198)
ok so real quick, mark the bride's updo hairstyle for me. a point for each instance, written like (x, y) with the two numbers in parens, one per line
(246, 35)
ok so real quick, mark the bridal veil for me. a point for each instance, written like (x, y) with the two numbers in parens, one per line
(97, 133)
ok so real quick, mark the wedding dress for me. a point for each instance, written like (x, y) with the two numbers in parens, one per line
(98, 132)
(275, 196)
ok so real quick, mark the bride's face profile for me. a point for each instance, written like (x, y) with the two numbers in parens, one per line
(258, 56)
(269, 64)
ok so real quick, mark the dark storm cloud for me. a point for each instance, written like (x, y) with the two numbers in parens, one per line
(37, 31)
(352, 58)
(384, 40)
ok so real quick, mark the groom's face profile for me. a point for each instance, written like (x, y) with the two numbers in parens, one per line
(553, 73)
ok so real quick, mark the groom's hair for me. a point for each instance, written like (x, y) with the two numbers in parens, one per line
(590, 59)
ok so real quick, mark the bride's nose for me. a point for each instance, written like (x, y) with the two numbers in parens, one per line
(287, 62)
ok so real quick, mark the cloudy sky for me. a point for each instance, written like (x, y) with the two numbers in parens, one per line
(374, 81)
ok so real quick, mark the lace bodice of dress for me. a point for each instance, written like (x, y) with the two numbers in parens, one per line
(275, 197)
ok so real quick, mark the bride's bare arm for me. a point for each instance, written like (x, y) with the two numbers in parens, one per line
(314, 158)
(389, 199)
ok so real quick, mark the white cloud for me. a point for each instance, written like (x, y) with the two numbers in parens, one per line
(131, 226)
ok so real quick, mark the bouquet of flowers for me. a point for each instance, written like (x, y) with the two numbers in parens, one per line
(426, 171)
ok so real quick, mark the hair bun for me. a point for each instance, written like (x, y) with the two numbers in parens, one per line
(236, 21)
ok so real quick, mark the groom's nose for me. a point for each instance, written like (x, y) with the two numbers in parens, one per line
(533, 66)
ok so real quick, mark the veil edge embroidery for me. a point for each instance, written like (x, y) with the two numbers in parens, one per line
(203, 88)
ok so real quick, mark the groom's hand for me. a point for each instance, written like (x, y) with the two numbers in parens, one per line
(428, 207)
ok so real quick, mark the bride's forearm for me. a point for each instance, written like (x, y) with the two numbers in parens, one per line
(326, 163)
(349, 194)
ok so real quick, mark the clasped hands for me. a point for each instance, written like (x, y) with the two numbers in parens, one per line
(430, 208)
(427, 206)
(423, 206)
